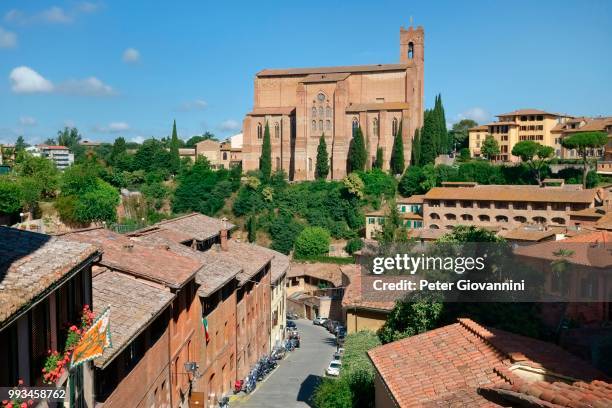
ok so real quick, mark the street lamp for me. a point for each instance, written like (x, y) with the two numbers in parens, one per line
(21, 216)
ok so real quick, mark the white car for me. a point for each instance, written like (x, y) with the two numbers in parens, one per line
(319, 321)
(333, 370)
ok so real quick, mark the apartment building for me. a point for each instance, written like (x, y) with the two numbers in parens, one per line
(151, 292)
(517, 126)
(44, 284)
(60, 155)
(219, 154)
(507, 206)
(410, 211)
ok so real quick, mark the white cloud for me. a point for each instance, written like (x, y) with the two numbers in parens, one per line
(477, 114)
(229, 125)
(138, 139)
(25, 80)
(14, 15)
(55, 15)
(195, 105)
(88, 7)
(113, 127)
(7, 39)
(131, 55)
(27, 121)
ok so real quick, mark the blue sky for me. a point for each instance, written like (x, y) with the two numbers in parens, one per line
(129, 68)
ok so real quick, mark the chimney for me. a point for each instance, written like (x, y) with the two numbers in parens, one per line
(223, 234)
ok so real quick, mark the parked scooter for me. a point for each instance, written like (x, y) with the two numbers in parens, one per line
(224, 402)
(239, 385)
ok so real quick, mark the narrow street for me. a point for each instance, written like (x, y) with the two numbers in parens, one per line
(293, 382)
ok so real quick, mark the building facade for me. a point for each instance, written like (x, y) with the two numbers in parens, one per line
(410, 210)
(507, 206)
(300, 105)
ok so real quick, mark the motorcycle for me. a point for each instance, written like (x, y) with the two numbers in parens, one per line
(239, 385)
(224, 402)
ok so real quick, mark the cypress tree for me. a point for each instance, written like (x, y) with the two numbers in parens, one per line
(265, 161)
(175, 160)
(378, 163)
(428, 147)
(322, 168)
(445, 142)
(416, 148)
(357, 155)
(251, 229)
(397, 154)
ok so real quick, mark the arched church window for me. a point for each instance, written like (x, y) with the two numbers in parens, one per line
(410, 50)
(276, 130)
(375, 126)
(328, 125)
(314, 111)
(259, 131)
(329, 111)
(321, 125)
(320, 111)
(321, 97)
(394, 126)
(355, 123)
(314, 125)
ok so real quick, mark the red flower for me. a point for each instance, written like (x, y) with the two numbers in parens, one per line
(30, 402)
(20, 381)
(23, 405)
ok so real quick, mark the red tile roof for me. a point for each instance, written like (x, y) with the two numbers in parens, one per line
(192, 226)
(359, 292)
(329, 70)
(531, 112)
(324, 271)
(129, 256)
(455, 365)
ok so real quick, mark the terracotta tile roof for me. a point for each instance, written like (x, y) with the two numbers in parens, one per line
(31, 263)
(53, 147)
(595, 212)
(531, 112)
(354, 291)
(215, 271)
(195, 225)
(502, 123)
(154, 233)
(480, 128)
(250, 258)
(427, 234)
(413, 199)
(556, 394)
(134, 304)
(592, 125)
(565, 194)
(187, 152)
(280, 263)
(591, 248)
(363, 107)
(329, 70)
(129, 256)
(450, 365)
(605, 222)
(280, 110)
(324, 271)
(318, 78)
(524, 234)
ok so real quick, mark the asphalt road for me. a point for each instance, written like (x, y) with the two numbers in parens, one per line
(293, 382)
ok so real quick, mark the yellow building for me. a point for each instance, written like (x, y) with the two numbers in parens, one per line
(410, 211)
(517, 126)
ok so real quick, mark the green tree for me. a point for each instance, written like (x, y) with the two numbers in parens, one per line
(357, 155)
(442, 140)
(378, 163)
(192, 141)
(460, 132)
(71, 138)
(117, 149)
(332, 393)
(265, 161)
(175, 159)
(312, 241)
(464, 154)
(20, 144)
(534, 155)
(411, 316)
(583, 142)
(30, 192)
(410, 183)
(322, 167)
(428, 148)
(284, 230)
(353, 245)
(10, 195)
(97, 205)
(354, 184)
(40, 169)
(397, 164)
(416, 148)
(490, 147)
(251, 225)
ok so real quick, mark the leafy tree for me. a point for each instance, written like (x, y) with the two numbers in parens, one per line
(175, 159)
(265, 161)
(460, 132)
(40, 169)
(152, 156)
(71, 138)
(117, 149)
(312, 241)
(416, 148)
(534, 154)
(192, 141)
(30, 192)
(9, 196)
(490, 147)
(353, 245)
(378, 163)
(410, 183)
(377, 183)
(442, 140)
(20, 144)
(99, 204)
(354, 184)
(397, 164)
(284, 230)
(428, 149)
(50, 141)
(464, 154)
(583, 142)
(251, 229)
(322, 167)
(411, 316)
(392, 229)
(357, 155)
(332, 393)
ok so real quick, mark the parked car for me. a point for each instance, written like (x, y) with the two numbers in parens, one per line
(337, 356)
(291, 324)
(333, 370)
(332, 326)
(292, 316)
(319, 321)
(340, 329)
(340, 340)
(340, 351)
